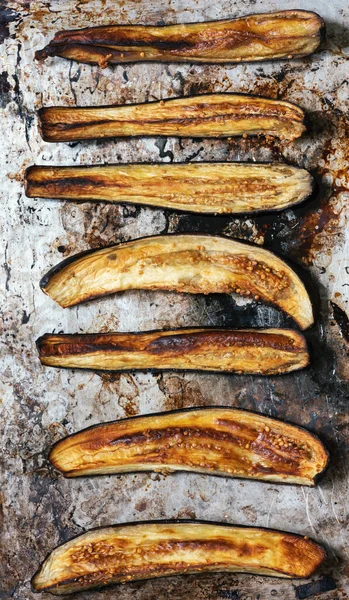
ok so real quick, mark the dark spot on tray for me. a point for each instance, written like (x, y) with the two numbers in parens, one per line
(229, 594)
(200, 86)
(25, 317)
(101, 223)
(194, 154)
(5, 96)
(342, 320)
(7, 15)
(112, 256)
(141, 506)
(161, 144)
(325, 584)
(109, 377)
(279, 77)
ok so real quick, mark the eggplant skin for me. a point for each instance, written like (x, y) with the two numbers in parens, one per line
(191, 263)
(197, 187)
(216, 440)
(264, 352)
(206, 115)
(136, 551)
(276, 35)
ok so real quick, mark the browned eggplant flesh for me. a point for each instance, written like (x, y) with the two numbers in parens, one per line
(130, 552)
(218, 441)
(197, 264)
(196, 187)
(264, 352)
(208, 115)
(283, 34)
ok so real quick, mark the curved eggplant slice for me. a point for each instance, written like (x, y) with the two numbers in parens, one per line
(283, 34)
(197, 187)
(264, 352)
(208, 115)
(135, 551)
(216, 440)
(197, 264)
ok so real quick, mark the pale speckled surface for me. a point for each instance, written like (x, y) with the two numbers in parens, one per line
(40, 405)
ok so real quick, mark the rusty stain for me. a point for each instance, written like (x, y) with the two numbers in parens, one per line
(250, 514)
(186, 513)
(319, 228)
(141, 506)
(180, 393)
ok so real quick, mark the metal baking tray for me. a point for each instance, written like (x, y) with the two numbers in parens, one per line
(40, 405)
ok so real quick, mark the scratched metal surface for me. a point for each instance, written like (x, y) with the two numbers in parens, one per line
(41, 509)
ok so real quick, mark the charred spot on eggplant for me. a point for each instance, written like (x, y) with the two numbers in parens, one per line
(216, 440)
(136, 551)
(276, 35)
(194, 187)
(198, 264)
(263, 352)
(210, 115)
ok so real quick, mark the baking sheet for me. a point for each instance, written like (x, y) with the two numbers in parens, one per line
(39, 406)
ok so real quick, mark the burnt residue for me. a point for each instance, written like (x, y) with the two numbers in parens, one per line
(220, 225)
(7, 268)
(178, 344)
(342, 320)
(61, 345)
(5, 87)
(7, 15)
(103, 223)
(229, 594)
(24, 112)
(314, 227)
(161, 144)
(314, 588)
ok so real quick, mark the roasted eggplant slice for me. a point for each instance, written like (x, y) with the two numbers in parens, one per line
(210, 115)
(197, 264)
(284, 34)
(216, 440)
(196, 187)
(145, 550)
(264, 352)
